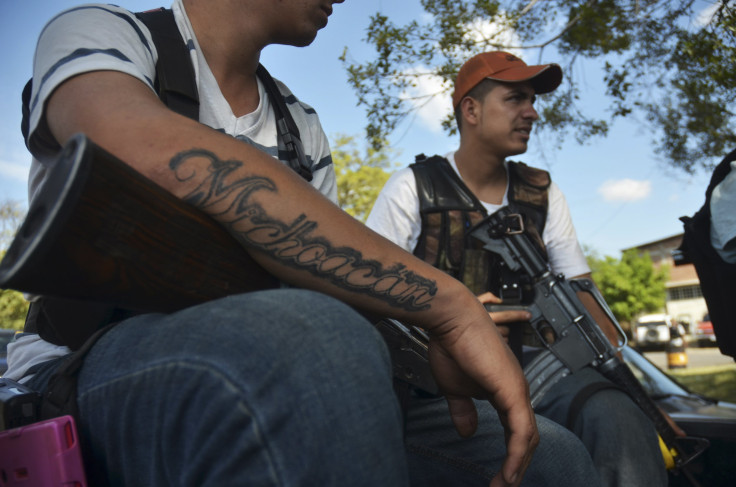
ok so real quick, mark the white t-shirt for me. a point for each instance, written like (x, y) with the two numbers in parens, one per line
(97, 37)
(396, 216)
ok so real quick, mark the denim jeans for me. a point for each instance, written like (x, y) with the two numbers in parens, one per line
(620, 438)
(439, 457)
(284, 387)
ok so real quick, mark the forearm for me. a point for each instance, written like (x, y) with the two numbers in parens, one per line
(291, 229)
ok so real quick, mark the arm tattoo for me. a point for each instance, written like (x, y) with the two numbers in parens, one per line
(293, 244)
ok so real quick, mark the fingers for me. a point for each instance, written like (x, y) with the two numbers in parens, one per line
(489, 298)
(522, 439)
(510, 316)
(464, 415)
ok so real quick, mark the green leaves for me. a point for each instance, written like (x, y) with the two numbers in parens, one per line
(359, 178)
(631, 285)
(13, 306)
(663, 62)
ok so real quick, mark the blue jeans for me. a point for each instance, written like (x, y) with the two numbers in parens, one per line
(282, 387)
(620, 438)
(439, 457)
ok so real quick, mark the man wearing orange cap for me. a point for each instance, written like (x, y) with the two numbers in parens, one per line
(428, 208)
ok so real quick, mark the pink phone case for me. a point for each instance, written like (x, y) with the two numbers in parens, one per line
(42, 454)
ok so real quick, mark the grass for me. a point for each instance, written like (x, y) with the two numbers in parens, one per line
(718, 382)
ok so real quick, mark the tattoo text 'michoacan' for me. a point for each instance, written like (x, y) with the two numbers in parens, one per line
(292, 243)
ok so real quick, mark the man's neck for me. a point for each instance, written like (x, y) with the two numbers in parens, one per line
(483, 173)
(232, 51)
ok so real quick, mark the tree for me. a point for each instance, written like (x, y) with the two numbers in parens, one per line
(631, 285)
(11, 216)
(13, 306)
(13, 309)
(659, 61)
(359, 178)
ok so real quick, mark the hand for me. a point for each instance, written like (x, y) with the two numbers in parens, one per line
(499, 317)
(471, 360)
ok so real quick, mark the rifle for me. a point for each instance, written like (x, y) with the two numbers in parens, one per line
(577, 339)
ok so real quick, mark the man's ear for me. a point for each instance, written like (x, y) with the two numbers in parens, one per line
(470, 109)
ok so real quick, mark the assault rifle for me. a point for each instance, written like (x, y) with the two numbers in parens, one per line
(576, 339)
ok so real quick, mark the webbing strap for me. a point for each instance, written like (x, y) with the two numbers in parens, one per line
(175, 80)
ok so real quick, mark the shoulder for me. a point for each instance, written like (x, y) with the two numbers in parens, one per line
(530, 175)
(307, 120)
(96, 18)
(423, 163)
(298, 108)
(400, 191)
(82, 39)
(401, 182)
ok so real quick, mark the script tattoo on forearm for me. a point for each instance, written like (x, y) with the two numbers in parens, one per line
(293, 244)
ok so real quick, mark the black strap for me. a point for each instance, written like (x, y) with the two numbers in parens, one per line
(61, 394)
(175, 80)
(287, 129)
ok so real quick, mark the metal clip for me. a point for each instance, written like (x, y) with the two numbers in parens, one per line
(514, 224)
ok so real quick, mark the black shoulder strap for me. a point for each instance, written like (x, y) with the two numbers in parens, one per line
(287, 129)
(439, 188)
(175, 80)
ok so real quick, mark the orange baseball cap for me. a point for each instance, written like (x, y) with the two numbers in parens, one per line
(504, 66)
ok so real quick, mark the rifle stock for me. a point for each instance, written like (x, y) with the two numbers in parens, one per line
(100, 231)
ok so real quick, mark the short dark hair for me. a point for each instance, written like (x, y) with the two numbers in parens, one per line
(478, 93)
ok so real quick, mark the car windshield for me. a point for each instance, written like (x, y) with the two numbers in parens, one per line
(654, 381)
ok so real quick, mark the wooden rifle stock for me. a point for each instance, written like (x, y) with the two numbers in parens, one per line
(100, 231)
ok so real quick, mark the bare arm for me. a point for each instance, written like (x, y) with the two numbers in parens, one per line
(304, 239)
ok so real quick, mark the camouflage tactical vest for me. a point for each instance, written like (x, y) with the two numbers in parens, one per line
(449, 210)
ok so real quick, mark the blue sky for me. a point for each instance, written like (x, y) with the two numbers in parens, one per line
(620, 194)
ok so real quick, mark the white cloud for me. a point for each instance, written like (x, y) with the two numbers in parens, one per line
(625, 190)
(429, 98)
(14, 171)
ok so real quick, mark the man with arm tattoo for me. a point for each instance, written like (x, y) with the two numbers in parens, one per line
(279, 387)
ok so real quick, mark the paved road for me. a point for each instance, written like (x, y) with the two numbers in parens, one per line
(697, 357)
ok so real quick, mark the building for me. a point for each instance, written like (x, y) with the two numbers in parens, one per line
(685, 300)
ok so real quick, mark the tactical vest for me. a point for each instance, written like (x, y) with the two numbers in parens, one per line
(449, 210)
